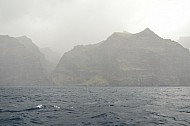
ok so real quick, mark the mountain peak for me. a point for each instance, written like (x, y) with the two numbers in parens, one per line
(148, 33)
(147, 29)
(23, 37)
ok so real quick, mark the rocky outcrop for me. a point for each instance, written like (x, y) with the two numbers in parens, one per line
(125, 59)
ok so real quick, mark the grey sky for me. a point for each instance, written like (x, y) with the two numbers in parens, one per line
(62, 24)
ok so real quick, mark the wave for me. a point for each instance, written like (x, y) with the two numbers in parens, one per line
(40, 106)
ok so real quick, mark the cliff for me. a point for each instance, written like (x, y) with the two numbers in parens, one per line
(18, 65)
(125, 59)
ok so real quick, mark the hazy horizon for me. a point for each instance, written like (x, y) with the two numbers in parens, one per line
(62, 24)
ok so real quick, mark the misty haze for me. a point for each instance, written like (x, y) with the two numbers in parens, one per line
(94, 62)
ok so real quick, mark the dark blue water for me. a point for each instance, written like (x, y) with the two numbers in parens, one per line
(94, 106)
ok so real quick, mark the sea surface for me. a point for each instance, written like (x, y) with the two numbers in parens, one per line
(94, 106)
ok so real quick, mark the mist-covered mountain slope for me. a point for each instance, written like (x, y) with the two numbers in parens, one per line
(51, 57)
(20, 65)
(125, 59)
(36, 51)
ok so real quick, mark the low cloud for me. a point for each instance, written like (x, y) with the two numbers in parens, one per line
(62, 24)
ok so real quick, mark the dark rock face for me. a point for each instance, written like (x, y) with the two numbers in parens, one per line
(124, 59)
(18, 65)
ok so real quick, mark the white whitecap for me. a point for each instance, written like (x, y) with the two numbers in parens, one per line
(56, 107)
(39, 106)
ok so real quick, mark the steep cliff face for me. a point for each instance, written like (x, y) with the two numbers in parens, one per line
(124, 59)
(32, 48)
(18, 65)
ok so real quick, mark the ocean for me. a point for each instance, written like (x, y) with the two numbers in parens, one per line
(94, 106)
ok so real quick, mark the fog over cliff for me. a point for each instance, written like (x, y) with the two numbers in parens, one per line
(62, 24)
(66, 42)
